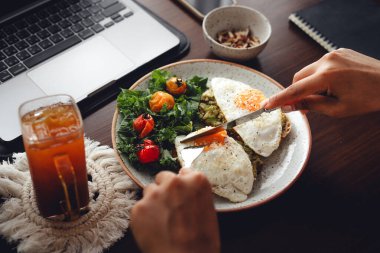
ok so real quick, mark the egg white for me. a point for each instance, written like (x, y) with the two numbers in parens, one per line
(226, 91)
(263, 134)
(226, 166)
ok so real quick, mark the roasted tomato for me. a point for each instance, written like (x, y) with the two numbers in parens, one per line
(159, 99)
(176, 86)
(148, 152)
(143, 124)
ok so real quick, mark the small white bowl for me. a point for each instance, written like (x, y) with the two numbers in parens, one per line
(236, 18)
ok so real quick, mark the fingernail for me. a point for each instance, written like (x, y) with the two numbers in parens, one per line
(184, 170)
(264, 103)
(287, 108)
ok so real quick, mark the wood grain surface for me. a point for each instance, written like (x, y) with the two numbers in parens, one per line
(333, 207)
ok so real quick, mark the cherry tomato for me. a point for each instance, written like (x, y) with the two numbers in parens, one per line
(143, 124)
(159, 99)
(176, 86)
(149, 152)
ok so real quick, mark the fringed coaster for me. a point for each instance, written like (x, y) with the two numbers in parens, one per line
(112, 195)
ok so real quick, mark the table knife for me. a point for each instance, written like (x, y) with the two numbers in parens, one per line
(211, 130)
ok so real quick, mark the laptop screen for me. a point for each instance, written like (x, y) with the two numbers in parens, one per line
(16, 7)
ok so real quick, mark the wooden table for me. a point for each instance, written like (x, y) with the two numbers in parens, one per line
(333, 207)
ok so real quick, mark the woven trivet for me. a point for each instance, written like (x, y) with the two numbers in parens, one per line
(112, 195)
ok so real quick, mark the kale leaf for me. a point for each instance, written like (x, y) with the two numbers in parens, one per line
(183, 118)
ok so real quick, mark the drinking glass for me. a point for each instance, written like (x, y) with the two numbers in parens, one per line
(52, 131)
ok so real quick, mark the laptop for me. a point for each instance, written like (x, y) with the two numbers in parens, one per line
(74, 47)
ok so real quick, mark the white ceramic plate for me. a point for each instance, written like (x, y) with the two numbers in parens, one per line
(280, 170)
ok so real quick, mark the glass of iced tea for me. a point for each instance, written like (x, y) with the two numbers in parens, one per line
(52, 131)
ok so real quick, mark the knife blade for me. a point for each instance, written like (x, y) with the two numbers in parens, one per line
(212, 130)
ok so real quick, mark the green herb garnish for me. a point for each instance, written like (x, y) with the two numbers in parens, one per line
(180, 120)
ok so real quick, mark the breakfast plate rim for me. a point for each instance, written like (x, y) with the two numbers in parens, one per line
(240, 208)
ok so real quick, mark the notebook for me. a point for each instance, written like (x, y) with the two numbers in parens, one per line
(353, 24)
(75, 47)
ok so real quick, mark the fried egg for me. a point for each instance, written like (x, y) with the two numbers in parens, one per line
(224, 163)
(263, 134)
(235, 99)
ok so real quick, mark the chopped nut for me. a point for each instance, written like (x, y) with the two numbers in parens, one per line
(238, 39)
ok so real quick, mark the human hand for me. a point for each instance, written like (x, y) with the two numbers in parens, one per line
(176, 215)
(342, 83)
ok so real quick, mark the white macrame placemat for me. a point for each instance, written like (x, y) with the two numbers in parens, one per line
(112, 195)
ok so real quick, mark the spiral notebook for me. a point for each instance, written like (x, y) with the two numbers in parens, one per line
(353, 24)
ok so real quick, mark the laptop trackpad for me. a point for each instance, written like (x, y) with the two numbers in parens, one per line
(82, 70)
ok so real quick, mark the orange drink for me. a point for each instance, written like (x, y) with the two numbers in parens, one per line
(53, 137)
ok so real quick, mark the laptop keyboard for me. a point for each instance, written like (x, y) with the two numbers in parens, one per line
(55, 28)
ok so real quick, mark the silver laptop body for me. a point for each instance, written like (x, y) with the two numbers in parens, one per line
(126, 38)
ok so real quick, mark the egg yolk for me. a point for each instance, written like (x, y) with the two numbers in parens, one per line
(207, 140)
(249, 99)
